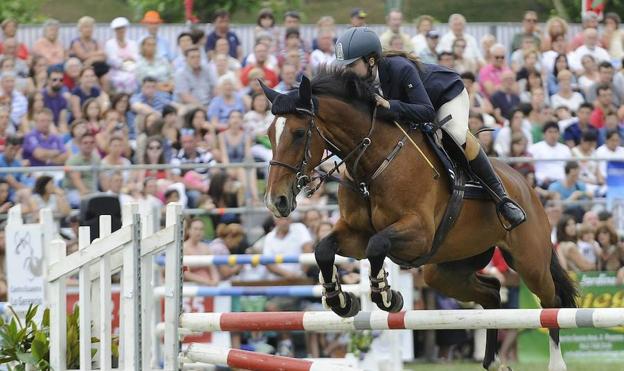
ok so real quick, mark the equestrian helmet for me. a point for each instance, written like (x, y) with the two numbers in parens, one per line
(357, 42)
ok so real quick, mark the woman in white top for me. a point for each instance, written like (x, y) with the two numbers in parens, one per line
(122, 55)
(611, 150)
(424, 24)
(585, 152)
(566, 96)
(256, 123)
(502, 143)
(47, 195)
(590, 73)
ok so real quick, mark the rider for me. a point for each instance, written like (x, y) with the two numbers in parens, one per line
(415, 92)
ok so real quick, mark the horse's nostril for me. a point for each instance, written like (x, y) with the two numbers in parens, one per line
(281, 202)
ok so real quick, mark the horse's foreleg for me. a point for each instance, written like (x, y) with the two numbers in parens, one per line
(341, 303)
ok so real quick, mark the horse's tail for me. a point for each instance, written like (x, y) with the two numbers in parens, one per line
(565, 288)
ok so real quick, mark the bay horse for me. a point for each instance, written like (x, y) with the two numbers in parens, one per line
(395, 213)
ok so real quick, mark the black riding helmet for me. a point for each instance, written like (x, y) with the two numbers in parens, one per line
(357, 42)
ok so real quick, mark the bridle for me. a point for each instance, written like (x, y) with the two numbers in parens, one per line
(302, 179)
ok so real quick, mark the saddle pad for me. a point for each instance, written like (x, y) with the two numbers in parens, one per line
(473, 189)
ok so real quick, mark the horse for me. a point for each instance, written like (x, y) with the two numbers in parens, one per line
(391, 201)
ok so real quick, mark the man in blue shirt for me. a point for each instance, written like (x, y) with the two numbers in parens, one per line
(573, 133)
(149, 99)
(571, 188)
(222, 30)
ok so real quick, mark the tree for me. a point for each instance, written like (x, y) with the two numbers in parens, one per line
(571, 9)
(173, 10)
(22, 11)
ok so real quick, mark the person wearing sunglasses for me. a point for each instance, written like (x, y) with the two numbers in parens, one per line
(490, 74)
(529, 28)
(54, 100)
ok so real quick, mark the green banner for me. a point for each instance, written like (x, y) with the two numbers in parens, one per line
(598, 290)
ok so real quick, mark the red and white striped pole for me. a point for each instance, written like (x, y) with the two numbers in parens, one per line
(257, 361)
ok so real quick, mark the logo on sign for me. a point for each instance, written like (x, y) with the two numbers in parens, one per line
(339, 53)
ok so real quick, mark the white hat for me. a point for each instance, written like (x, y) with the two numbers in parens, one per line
(119, 22)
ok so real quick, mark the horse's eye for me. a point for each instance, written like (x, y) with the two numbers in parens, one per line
(298, 134)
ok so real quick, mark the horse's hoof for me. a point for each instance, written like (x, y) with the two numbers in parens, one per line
(396, 301)
(351, 308)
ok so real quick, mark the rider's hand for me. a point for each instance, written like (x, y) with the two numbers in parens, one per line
(382, 102)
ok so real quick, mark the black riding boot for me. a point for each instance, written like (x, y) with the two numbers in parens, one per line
(510, 210)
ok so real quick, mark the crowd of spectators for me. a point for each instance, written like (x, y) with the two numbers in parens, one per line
(196, 100)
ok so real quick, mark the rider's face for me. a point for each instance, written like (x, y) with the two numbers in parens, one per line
(359, 68)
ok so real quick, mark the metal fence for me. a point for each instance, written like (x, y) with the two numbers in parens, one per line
(28, 34)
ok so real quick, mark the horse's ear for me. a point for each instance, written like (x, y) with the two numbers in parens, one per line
(270, 93)
(305, 91)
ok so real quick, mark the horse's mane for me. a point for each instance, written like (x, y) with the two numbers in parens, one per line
(344, 85)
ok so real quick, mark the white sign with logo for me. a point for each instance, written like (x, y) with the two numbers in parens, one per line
(25, 268)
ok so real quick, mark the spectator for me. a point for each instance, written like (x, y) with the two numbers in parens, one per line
(256, 123)
(324, 54)
(115, 157)
(76, 130)
(520, 148)
(590, 47)
(490, 76)
(549, 171)
(155, 155)
(5, 205)
(293, 46)
(71, 75)
(589, 75)
(224, 103)
(556, 28)
(516, 124)
(396, 43)
(424, 24)
(566, 96)
(78, 184)
(587, 245)
(41, 147)
(229, 238)
(86, 89)
(271, 60)
(529, 28)
(549, 57)
(13, 98)
(152, 22)
(457, 25)
(603, 106)
(192, 82)
(446, 59)
(261, 53)
(286, 239)
(5, 124)
(461, 63)
(54, 100)
(265, 24)
(478, 103)
(519, 57)
(151, 65)
(122, 55)
(121, 104)
(222, 30)
(325, 24)
(149, 99)
(571, 188)
(222, 48)
(585, 153)
(46, 195)
(487, 41)
(189, 153)
(394, 20)
(9, 158)
(91, 112)
(611, 258)
(87, 49)
(589, 20)
(605, 77)
(612, 36)
(611, 149)
(194, 245)
(573, 133)
(185, 42)
(10, 51)
(49, 46)
(358, 17)
(288, 79)
(428, 54)
(9, 30)
(505, 97)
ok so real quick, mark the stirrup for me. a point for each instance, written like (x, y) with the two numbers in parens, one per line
(508, 225)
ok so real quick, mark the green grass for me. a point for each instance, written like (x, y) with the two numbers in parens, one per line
(515, 367)
(69, 11)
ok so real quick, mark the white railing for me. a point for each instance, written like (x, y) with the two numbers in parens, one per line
(130, 251)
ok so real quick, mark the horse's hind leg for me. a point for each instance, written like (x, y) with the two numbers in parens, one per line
(459, 280)
(536, 262)
(348, 242)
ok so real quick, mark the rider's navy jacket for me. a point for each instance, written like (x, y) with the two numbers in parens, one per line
(416, 94)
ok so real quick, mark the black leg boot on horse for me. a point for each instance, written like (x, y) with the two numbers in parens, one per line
(481, 166)
(386, 299)
(342, 303)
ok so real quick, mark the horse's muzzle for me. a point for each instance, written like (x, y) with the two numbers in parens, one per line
(281, 206)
